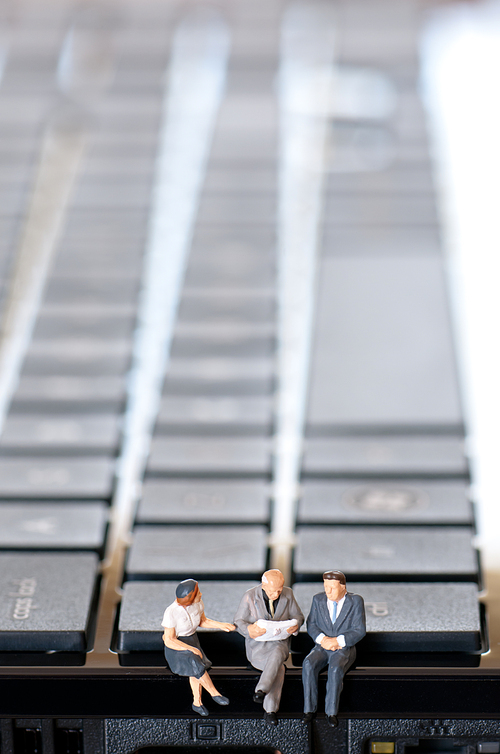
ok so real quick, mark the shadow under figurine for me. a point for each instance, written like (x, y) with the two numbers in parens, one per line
(183, 652)
(336, 623)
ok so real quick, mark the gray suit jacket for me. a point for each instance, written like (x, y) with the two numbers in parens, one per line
(252, 607)
(351, 622)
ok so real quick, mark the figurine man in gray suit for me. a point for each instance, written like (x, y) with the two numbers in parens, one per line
(270, 601)
(336, 623)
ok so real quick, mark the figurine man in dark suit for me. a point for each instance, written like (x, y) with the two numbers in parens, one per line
(336, 623)
(271, 601)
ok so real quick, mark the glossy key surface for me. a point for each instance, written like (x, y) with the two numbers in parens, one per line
(203, 501)
(385, 502)
(197, 551)
(45, 526)
(46, 601)
(383, 551)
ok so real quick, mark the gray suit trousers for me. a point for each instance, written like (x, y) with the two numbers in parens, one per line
(338, 662)
(269, 656)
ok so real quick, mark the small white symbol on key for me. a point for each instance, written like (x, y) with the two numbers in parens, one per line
(40, 526)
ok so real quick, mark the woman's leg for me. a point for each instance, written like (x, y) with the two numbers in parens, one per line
(196, 689)
(207, 684)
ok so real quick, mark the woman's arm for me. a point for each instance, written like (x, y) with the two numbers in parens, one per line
(209, 623)
(172, 642)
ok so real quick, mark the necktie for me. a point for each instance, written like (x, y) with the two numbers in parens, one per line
(271, 608)
(334, 612)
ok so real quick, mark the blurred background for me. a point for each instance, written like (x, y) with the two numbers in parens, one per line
(95, 186)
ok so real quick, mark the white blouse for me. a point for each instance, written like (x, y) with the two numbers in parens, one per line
(185, 620)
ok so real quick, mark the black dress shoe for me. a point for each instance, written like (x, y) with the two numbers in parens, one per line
(333, 721)
(271, 718)
(259, 697)
(201, 710)
(219, 699)
(308, 716)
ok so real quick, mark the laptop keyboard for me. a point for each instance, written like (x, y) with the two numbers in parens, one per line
(227, 341)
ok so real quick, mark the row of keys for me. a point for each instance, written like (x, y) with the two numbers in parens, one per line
(409, 618)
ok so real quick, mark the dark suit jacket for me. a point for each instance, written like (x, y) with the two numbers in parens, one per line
(351, 623)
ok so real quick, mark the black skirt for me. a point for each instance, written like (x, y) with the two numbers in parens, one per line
(185, 662)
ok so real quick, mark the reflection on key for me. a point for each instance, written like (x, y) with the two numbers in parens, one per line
(61, 526)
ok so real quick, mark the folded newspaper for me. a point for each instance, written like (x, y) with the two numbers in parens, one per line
(275, 629)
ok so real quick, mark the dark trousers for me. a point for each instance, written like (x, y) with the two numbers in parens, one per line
(338, 662)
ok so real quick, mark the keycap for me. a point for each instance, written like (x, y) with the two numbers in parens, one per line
(226, 306)
(56, 477)
(382, 355)
(234, 264)
(43, 392)
(64, 525)
(177, 552)
(244, 346)
(214, 414)
(141, 613)
(68, 360)
(385, 502)
(214, 367)
(203, 501)
(244, 208)
(61, 434)
(380, 209)
(228, 386)
(412, 617)
(363, 241)
(82, 325)
(46, 601)
(389, 455)
(91, 289)
(210, 455)
(435, 553)
(390, 181)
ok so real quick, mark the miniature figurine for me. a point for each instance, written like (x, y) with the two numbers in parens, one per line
(271, 601)
(183, 652)
(336, 623)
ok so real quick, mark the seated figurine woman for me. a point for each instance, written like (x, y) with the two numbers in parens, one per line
(183, 652)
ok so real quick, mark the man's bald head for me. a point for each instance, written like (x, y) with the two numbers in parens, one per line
(272, 583)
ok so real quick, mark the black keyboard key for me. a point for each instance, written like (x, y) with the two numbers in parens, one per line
(201, 456)
(56, 478)
(61, 434)
(386, 455)
(387, 553)
(57, 526)
(383, 356)
(412, 618)
(203, 501)
(139, 639)
(180, 552)
(248, 344)
(45, 392)
(385, 502)
(46, 604)
(226, 306)
(215, 414)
